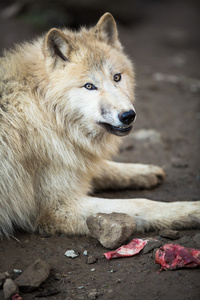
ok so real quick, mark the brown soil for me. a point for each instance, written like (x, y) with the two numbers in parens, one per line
(167, 42)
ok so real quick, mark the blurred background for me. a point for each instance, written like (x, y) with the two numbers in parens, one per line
(21, 19)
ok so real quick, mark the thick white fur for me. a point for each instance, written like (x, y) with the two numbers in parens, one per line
(52, 146)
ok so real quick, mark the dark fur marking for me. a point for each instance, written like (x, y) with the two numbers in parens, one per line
(104, 110)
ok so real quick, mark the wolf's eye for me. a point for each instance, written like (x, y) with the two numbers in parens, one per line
(90, 86)
(117, 77)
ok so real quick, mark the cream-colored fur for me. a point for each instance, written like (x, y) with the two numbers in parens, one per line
(56, 134)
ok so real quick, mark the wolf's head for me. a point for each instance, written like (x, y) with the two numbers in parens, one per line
(90, 79)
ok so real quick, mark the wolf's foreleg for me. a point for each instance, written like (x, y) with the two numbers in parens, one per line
(117, 176)
(148, 214)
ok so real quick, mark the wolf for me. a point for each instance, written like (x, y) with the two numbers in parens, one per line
(66, 99)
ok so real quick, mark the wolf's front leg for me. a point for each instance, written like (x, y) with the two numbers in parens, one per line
(148, 214)
(115, 175)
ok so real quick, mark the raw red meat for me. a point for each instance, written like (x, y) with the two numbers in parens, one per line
(172, 257)
(16, 297)
(134, 247)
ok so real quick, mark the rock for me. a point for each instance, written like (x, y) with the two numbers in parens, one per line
(33, 276)
(111, 271)
(71, 253)
(10, 288)
(169, 233)
(196, 238)
(18, 272)
(3, 277)
(149, 135)
(91, 259)
(93, 295)
(111, 229)
(151, 245)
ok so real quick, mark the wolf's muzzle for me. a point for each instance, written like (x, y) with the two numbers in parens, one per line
(127, 117)
(119, 131)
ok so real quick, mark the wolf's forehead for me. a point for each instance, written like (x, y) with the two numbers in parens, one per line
(97, 58)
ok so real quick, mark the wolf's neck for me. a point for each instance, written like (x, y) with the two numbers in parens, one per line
(97, 147)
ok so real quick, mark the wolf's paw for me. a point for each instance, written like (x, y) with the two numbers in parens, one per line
(195, 214)
(148, 177)
(156, 175)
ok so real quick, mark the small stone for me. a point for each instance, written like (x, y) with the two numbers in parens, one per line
(3, 277)
(196, 238)
(151, 245)
(149, 135)
(112, 230)
(85, 253)
(71, 253)
(91, 259)
(80, 287)
(18, 272)
(10, 288)
(33, 276)
(169, 233)
(111, 271)
(93, 295)
(92, 270)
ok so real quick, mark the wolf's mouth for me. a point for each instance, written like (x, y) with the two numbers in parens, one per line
(119, 131)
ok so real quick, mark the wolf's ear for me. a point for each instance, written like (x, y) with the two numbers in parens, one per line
(57, 47)
(106, 29)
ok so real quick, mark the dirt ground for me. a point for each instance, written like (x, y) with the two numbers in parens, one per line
(165, 48)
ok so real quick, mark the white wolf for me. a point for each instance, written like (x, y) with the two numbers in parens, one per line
(65, 100)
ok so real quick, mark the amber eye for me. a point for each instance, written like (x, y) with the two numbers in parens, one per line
(90, 86)
(117, 77)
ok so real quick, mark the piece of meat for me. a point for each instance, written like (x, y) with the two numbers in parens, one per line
(16, 297)
(134, 247)
(172, 256)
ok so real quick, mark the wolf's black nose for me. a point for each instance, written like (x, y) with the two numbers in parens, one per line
(127, 117)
